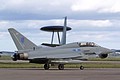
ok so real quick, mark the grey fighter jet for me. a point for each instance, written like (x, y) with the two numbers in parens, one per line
(59, 55)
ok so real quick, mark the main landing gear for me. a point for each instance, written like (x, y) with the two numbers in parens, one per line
(46, 66)
(60, 66)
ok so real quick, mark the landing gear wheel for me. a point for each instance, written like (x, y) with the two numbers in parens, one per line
(46, 66)
(81, 67)
(61, 66)
(14, 57)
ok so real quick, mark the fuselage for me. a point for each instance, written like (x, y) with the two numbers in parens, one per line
(72, 50)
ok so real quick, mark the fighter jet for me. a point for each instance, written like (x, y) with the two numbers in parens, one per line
(60, 55)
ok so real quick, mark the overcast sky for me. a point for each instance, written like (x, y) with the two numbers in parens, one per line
(91, 20)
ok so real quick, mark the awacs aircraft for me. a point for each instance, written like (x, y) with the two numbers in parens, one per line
(59, 55)
(57, 29)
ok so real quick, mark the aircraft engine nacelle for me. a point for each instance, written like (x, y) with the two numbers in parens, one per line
(20, 56)
(103, 55)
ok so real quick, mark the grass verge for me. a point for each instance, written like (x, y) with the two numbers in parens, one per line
(86, 65)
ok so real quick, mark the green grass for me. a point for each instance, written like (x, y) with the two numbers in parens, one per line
(94, 65)
(86, 65)
(101, 65)
(5, 58)
(19, 65)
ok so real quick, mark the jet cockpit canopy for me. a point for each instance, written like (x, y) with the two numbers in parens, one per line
(88, 44)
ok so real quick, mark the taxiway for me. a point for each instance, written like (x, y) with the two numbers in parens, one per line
(55, 74)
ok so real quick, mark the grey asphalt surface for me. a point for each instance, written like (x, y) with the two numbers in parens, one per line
(55, 74)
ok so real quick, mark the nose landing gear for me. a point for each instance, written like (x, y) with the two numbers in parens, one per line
(81, 67)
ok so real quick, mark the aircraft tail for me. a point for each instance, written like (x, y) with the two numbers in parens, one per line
(63, 40)
(21, 42)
